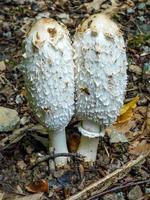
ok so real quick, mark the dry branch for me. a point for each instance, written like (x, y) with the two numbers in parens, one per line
(130, 184)
(18, 134)
(107, 181)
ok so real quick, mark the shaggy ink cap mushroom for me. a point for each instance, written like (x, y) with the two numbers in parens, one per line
(49, 79)
(100, 77)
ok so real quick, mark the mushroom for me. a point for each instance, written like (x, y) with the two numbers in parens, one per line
(100, 78)
(48, 71)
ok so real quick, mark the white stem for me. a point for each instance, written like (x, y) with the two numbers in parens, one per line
(58, 142)
(88, 148)
(89, 140)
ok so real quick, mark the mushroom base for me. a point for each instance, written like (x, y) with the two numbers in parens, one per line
(57, 140)
(91, 131)
(88, 148)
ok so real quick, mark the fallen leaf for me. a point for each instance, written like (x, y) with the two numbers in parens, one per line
(138, 148)
(141, 109)
(130, 105)
(23, 92)
(126, 112)
(81, 171)
(117, 137)
(127, 121)
(30, 197)
(125, 117)
(38, 186)
(21, 165)
(1, 196)
(2, 66)
(94, 5)
(148, 120)
(73, 142)
(125, 127)
(121, 127)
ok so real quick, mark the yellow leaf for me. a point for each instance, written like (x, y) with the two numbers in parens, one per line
(130, 105)
(126, 112)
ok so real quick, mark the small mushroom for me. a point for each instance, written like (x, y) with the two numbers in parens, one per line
(100, 78)
(48, 71)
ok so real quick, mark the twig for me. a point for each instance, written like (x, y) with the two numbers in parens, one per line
(18, 134)
(48, 157)
(119, 188)
(14, 137)
(107, 181)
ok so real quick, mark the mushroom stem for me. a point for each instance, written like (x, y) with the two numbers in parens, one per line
(57, 140)
(88, 148)
(89, 144)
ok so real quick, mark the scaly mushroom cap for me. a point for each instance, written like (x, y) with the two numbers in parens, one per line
(49, 74)
(100, 75)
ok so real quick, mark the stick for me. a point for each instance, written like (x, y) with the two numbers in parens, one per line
(107, 181)
(18, 134)
(15, 136)
(48, 157)
(119, 188)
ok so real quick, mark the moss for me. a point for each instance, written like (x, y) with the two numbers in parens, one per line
(138, 40)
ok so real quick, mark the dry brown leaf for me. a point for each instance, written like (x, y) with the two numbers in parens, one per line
(124, 127)
(121, 127)
(138, 148)
(116, 7)
(148, 120)
(30, 197)
(141, 109)
(23, 92)
(73, 142)
(127, 121)
(81, 171)
(38, 186)
(2, 66)
(1, 196)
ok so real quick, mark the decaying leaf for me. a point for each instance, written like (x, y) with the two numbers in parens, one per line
(138, 148)
(38, 186)
(126, 112)
(148, 120)
(127, 121)
(23, 92)
(130, 105)
(73, 142)
(94, 5)
(31, 197)
(10, 196)
(117, 137)
(1, 196)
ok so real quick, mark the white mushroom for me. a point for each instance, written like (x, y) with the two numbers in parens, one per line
(100, 77)
(49, 80)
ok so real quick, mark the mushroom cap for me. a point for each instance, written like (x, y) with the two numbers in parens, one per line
(101, 66)
(49, 73)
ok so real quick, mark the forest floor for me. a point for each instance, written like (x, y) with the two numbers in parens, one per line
(21, 135)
